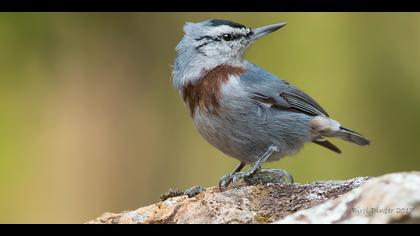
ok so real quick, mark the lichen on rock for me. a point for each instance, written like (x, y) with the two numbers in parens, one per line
(393, 198)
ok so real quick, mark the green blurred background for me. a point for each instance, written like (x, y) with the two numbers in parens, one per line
(89, 121)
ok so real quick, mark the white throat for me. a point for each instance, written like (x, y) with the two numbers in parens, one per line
(190, 67)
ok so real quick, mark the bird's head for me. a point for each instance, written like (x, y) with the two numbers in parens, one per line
(214, 42)
(221, 39)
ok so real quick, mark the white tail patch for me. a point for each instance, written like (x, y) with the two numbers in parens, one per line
(325, 126)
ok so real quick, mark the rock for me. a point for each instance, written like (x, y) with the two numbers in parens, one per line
(245, 204)
(393, 198)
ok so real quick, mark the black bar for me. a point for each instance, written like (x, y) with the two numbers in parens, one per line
(207, 6)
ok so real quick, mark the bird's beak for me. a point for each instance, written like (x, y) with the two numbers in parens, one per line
(261, 31)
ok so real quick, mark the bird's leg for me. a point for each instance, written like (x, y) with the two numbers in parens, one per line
(257, 165)
(239, 167)
(235, 176)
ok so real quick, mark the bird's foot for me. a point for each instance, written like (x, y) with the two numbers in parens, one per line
(265, 176)
(236, 176)
(233, 178)
(258, 177)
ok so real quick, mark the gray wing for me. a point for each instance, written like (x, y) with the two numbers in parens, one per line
(267, 88)
(292, 99)
(279, 94)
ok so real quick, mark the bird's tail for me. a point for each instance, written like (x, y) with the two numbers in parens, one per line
(351, 136)
(330, 128)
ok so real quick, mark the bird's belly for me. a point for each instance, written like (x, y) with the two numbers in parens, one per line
(246, 135)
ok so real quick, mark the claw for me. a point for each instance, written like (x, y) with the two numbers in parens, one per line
(224, 182)
(233, 178)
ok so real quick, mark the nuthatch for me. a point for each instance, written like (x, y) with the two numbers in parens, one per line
(244, 111)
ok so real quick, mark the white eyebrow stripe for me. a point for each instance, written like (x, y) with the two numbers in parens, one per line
(222, 29)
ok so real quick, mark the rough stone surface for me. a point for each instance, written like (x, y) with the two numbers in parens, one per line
(393, 198)
(243, 204)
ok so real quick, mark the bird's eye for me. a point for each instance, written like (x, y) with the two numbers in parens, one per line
(227, 37)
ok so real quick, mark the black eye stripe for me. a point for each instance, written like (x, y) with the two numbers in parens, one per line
(203, 37)
(208, 38)
(230, 37)
(201, 45)
(223, 36)
(237, 36)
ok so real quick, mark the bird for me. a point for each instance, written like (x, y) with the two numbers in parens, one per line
(241, 109)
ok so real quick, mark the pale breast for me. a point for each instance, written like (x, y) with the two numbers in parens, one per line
(228, 128)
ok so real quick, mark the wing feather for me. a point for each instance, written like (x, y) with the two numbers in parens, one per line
(298, 99)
